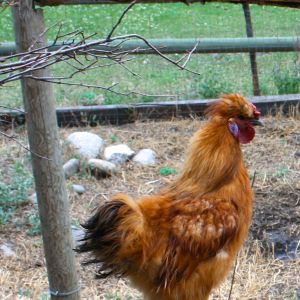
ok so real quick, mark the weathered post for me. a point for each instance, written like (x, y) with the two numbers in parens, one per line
(48, 174)
(252, 54)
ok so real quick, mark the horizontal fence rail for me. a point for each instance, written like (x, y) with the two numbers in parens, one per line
(291, 3)
(205, 45)
(122, 114)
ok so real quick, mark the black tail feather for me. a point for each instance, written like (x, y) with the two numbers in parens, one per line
(103, 238)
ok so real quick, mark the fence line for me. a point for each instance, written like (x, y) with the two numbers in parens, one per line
(126, 113)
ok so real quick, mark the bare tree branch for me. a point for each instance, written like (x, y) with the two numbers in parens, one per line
(120, 20)
(66, 48)
(75, 43)
(11, 137)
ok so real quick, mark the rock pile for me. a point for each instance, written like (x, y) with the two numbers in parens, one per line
(101, 161)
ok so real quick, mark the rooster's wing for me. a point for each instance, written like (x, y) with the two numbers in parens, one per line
(199, 229)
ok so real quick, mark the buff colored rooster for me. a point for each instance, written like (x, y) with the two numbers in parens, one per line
(180, 244)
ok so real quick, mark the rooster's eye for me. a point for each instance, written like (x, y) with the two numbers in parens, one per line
(241, 117)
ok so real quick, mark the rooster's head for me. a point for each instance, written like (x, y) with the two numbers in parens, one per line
(240, 115)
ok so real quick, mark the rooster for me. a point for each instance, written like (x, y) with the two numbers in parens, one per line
(180, 243)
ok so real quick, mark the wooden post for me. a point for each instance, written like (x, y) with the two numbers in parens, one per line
(48, 174)
(252, 54)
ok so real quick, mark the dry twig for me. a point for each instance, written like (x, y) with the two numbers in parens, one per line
(65, 49)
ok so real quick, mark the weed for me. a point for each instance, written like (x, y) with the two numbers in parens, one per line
(13, 192)
(213, 85)
(282, 170)
(33, 221)
(112, 297)
(88, 98)
(113, 138)
(112, 98)
(5, 214)
(24, 293)
(264, 90)
(287, 80)
(44, 296)
(116, 297)
(165, 171)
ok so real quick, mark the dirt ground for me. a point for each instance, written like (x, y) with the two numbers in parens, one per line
(267, 267)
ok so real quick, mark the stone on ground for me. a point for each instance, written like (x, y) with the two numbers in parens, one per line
(145, 157)
(79, 189)
(7, 250)
(102, 167)
(118, 154)
(87, 145)
(71, 167)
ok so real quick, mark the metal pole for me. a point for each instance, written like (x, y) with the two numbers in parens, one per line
(252, 54)
(206, 45)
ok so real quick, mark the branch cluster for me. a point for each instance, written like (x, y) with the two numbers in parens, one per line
(81, 54)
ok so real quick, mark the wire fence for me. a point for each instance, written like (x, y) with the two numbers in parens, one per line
(277, 72)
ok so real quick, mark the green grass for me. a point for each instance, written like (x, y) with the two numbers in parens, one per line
(219, 72)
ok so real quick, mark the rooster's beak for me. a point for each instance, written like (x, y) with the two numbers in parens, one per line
(256, 122)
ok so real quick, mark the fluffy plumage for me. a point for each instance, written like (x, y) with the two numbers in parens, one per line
(180, 243)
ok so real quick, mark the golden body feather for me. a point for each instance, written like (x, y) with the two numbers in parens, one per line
(181, 243)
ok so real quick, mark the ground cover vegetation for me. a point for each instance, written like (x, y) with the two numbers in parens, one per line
(220, 73)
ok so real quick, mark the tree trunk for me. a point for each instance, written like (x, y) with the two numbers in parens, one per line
(48, 174)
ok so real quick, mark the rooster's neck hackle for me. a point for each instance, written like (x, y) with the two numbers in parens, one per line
(214, 158)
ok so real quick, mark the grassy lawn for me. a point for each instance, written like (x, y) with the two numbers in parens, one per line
(219, 72)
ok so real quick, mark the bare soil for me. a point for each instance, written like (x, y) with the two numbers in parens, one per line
(267, 267)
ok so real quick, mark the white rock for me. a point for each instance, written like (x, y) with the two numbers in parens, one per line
(118, 158)
(145, 157)
(87, 145)
(79, 189)
(33, 199)
(102, 167)
(71, 167)
(118, 152)
(6, 250)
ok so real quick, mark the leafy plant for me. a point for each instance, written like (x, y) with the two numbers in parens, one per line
(44, 296)
(213, 85)
(287, 81)
(112, 297)
(33, 221)
(24, 293)
(116, 297)
(88, 98)
(281, 171)
(112, 98)
(165, 171)
(13, 192)
(113, 138)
